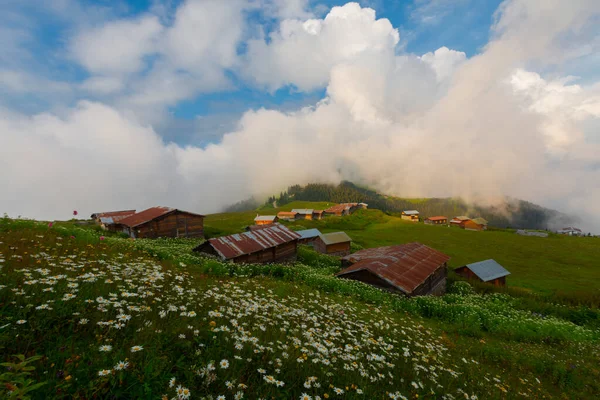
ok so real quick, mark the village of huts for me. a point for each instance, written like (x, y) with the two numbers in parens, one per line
(410, 269)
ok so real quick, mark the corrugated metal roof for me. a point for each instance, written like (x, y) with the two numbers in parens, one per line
(233, 246)
(480, 221)
(308, 233)
(265, 218)
(116, 215)
(410, 212)
(148, 215)
(335, 237)
(341, 207)
(488, 270)
(303, 211)
(438, 218)
(461, 218)
(405, 266)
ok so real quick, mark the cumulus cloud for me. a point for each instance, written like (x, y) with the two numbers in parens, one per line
(507, 121)
(302, 52)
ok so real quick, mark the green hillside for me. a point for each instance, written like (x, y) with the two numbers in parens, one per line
(555, 264)
(514, 213)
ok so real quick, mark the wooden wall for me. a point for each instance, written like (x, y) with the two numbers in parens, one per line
(465, 272)
(336, 249)
(177, 224)
(372, 279)
(413, 218)
(436, 222)
(435, 284)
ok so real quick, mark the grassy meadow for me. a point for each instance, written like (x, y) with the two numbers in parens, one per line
(84, 314)
(557, 264)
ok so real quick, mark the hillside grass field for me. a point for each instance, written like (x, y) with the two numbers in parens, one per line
(557, 264)
(86, 314)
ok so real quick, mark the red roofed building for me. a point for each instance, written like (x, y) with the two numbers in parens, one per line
(262, 244)
(163, 222)
(345, 209)
(436, 220)
(412, 269)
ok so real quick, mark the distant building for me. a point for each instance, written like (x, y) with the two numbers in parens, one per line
(481, 222)
(412, 269)
(263, 244)
(343, 209)
(524, 232)
(109, 220)
(163, 222)
(459, 221)
(287, 215)
(303, 213)
(318, 214)
(471, 225)
(265, 219)
(308, 236)
(439, 220)
(410, 215)
(488, 271)
(334, 244)
(570, 231)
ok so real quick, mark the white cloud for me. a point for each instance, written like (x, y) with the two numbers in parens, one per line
(302, 53)
(444, 61)
(117, 47)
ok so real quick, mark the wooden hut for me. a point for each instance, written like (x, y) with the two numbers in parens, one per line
(308, 236)
(265, 219)
(334, 244)
(286, 215)
(303, 213)
(263, 244)
(412, 269)
(317, 214)
(488, 271)
(439, 220)
(471, 225)
(459, 221)
(481, 221)
(410, 215)
(163, 222)
(343, 209)
(109, 220)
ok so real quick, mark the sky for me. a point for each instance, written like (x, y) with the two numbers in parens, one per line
(197, 104)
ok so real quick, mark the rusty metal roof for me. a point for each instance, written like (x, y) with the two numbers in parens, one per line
(259, 239)
(404, 266)
(338, 208)
(438, 218)
(115, 215)
(150, 214)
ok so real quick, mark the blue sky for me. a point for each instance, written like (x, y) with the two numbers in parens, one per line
(424, 26)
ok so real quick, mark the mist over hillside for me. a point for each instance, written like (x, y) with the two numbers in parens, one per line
(513, 213)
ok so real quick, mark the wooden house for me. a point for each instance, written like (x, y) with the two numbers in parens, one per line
(471, 225)
(343, 209)
(459, 221)
(287, 215)
(317, 214)
(308, 236)
(410, 215)
(439, 220)
(109, 220)
(163, 222)
(263, 244)
(303, 213)
(481, 221)
(411, 269)
(334, 244)
(488, 271)
(265, 219)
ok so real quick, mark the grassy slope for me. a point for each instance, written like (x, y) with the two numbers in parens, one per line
(486, 366)
(544, 265)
